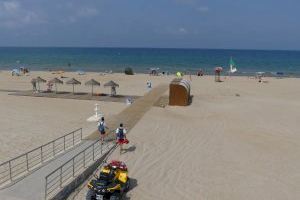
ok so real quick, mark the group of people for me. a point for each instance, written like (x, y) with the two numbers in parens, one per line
(120, 133)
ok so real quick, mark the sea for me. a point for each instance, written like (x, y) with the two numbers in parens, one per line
(142, 59)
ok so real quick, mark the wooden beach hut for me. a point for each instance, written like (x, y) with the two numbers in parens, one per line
(180, 91)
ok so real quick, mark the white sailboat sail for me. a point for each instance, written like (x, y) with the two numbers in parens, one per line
(233, 68)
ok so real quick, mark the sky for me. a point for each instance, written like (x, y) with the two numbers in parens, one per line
(225, 24)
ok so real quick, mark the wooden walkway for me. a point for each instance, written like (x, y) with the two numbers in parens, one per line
(78, 96)
(132, 114)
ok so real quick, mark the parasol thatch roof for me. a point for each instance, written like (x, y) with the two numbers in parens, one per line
(33, 80)
(218, 69)
(92, 82)
(73, 81)
(111, 84)
(39, 79)
(56, 80)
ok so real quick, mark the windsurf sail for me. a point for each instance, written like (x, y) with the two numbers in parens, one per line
(232, 65)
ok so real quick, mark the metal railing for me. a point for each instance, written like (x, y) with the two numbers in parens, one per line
(74, 167)
(18, 167)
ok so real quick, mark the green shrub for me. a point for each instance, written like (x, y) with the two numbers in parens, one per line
(128, 71)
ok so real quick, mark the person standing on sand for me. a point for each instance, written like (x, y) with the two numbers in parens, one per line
(149, 85)
(101, 128)
(33, 82)
(121, 137)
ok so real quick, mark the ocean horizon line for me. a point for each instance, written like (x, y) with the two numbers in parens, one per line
(167, 48)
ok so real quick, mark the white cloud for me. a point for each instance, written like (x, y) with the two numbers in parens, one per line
(182, 30)
(75, 14)
(87, 12)
(202, 9)
(13, 15)
(185, 2)
(11, 6)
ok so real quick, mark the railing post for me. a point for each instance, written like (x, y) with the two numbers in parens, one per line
(73, 167)
(73, 138)
(46, 187)
(94, 152)
(80, 134)
(41, 153)
(84, 159)
(64, 142)
(27, 164)
(60, 178)
(10, 173)
(53, 147)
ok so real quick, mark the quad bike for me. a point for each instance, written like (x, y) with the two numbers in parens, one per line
(111, 184)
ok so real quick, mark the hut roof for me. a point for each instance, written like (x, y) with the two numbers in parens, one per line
(56, 80)
(92, 82)
(73, 81)
(111, 84)
(39, 79)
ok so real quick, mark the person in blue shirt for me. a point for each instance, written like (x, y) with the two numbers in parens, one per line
(101, 128)
(121, 137)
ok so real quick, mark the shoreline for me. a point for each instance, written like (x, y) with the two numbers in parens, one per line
(173, 73)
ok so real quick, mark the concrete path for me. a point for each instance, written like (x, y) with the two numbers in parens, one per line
(32, 187)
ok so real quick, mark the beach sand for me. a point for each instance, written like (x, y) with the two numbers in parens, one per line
(223, 146)
(28, 122)
(239, 139)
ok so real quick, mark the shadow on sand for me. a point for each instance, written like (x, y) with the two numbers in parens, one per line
(130, 149)
(133, 184)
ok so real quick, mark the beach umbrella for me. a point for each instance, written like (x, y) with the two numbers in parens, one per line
(56, 81)
(113, 86)
(218, 71)
(40, 80)
(92, 82)
(73, 82)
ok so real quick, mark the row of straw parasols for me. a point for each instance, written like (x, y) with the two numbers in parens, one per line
(74, 82)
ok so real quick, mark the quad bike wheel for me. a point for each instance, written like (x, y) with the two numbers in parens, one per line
(115, 196)
(90, 195)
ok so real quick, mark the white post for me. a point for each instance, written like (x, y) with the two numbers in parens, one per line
(96, 109)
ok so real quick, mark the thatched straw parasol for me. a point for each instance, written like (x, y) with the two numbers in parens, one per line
(56, 81)
(40, 80)
(73, 82)
(113, 86)
(92, 82)
(218, 71)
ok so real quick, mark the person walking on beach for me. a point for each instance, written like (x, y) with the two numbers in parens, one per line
(121, 137)
(33, 82)
(101, 128)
